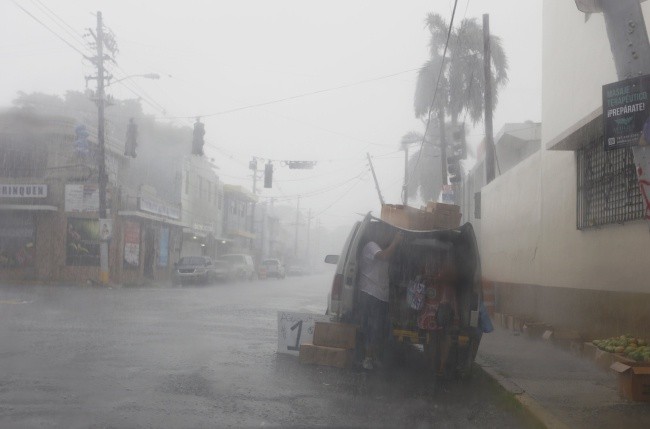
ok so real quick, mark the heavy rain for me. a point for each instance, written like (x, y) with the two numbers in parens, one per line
(427, 214)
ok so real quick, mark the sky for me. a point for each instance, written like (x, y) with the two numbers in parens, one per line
(216, 59)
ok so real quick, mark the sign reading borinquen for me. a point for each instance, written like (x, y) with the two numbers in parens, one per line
(625, 112)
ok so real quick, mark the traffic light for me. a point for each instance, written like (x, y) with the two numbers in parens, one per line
(268, 175)
(197, 137)
(456, 152)
(131, 139)
(301, 165)
(252, 164)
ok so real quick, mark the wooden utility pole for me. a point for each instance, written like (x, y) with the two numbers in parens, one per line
(295, 244)
(487, 70)
(443, 147)
(102, 177)
(405, 191)
(372, 169)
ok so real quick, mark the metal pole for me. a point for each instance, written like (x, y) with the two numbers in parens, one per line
(372, 169)
(405, 192)
(487, 70)
(295, 244)
(102, 179)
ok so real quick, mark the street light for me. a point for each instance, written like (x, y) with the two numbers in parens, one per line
(154, 76)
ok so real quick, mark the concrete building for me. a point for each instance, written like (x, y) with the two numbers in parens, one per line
(238, 225)
(202, 200)
(562, 232)
(514, 142)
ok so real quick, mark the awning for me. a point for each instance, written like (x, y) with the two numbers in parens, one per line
(151, 217)
(190, 231)
(244, 234)
(580, 134)
(29, 207)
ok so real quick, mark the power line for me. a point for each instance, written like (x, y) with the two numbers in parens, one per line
(293, 97)
(52, 31)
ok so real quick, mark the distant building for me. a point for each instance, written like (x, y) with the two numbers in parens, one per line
(514, 142)
(238, 225)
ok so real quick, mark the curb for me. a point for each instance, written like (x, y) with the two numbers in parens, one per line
(528, 402)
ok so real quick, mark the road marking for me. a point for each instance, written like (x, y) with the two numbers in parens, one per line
(13, 301)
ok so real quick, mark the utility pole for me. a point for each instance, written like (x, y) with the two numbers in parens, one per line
(487, 70)
(308, 235)
(405, 191)
(295, 244)
(103, 178)
(372, 169)
(443, 146)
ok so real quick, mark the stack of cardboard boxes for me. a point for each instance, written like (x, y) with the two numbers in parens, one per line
(433, 216)
(333, 345)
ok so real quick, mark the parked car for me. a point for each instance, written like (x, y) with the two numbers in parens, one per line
(242, 265)
(419, 259)
(272, 268)
(297, 270)
(199, 269)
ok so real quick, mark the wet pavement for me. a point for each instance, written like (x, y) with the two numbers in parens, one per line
(569, 388)
(78, 357)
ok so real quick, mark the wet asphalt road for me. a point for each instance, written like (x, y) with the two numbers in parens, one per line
(75, 357)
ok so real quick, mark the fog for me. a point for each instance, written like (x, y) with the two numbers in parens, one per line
(357, 63)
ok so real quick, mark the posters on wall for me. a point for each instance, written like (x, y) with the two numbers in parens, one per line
(131, 244)
(163, 243)
(16, 240)
(81, 198)
(82, 244)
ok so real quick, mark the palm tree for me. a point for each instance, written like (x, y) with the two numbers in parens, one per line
(461, 85)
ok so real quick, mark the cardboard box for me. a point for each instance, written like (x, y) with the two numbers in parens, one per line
(633, 381)
(433, 206)
(406, 217)
(620, 357)
(328, 356)
(338, 335)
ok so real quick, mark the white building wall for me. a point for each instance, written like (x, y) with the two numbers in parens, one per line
(529, 232)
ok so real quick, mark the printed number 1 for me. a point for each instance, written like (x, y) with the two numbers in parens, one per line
(293, 328)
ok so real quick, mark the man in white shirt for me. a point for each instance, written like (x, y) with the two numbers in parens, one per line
(373, 283)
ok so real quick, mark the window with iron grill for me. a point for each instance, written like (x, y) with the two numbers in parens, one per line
(608, 191)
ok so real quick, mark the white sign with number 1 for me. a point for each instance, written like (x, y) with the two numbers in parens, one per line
(295, 329)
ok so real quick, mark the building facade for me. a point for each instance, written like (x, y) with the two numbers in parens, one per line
(562, 233)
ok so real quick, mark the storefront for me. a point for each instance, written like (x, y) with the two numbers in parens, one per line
(26, 218)
(148, 242)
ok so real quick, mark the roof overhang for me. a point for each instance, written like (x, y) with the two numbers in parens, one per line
(580, 133)
(29, 207)
(148, 216)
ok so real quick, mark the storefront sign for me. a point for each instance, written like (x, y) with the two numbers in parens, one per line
(131, 244)
(81, 198)
(156, 207)
(163, 251)
(202, 227)
(625, 111)
(23, 191)
(105, 229)
(295, 329)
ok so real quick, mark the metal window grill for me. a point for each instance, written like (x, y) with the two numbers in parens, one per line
(608, 191)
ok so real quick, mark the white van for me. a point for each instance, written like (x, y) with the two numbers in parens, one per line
(450, 338)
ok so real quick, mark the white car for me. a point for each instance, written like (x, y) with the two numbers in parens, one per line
(272, 268)
(243, 267)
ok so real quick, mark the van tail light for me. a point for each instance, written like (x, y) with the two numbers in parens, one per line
(337, 287)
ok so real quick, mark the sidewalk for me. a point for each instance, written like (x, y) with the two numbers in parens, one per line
(561, 389)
